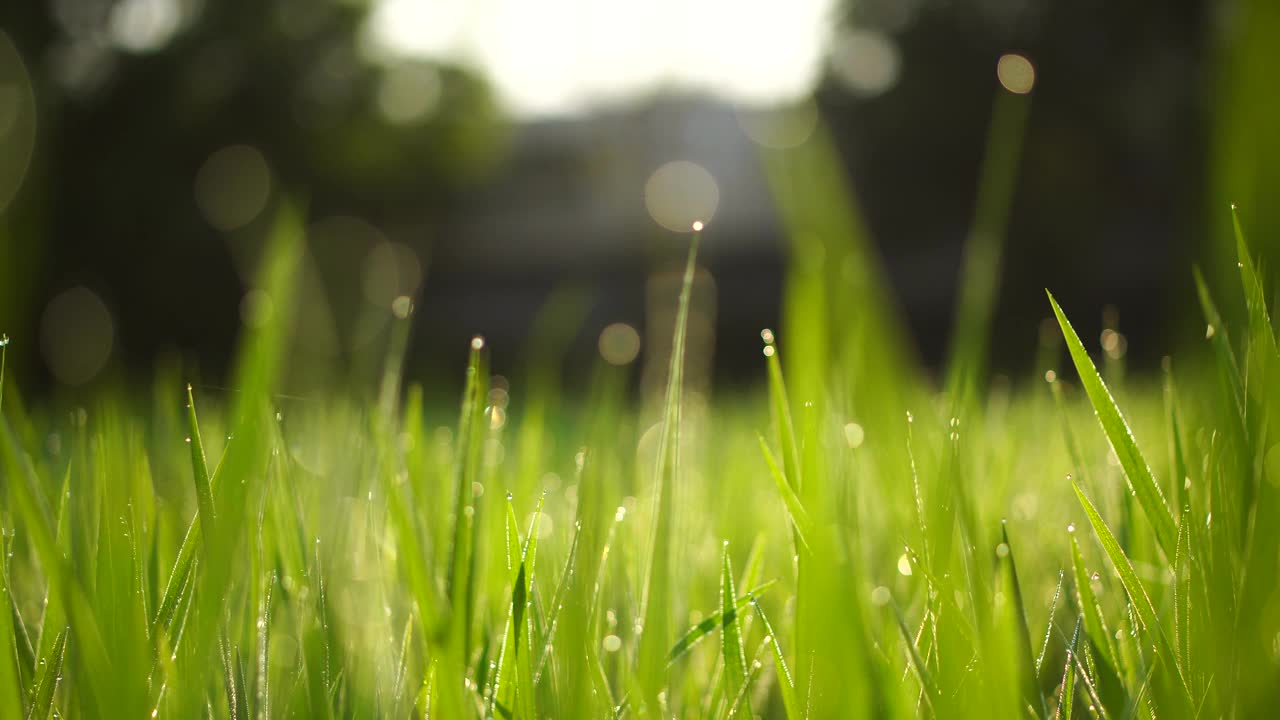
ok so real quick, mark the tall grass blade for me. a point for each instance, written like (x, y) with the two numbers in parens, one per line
(927, 686)
(655, 601)
(12, 691)
(200, 468)
(715, 620)
(1029, 672)
(786, 683)
(735, 659)
(1137, 592)
(48, 679)
(780, 408)
(795, 510)
(980, 274)
(1141, 481)
(1067, 695)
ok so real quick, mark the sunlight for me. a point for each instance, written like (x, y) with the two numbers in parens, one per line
(564, 56)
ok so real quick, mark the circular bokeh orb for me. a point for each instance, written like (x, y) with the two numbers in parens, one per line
(233, 186)
(1016, 73)
(17, 121)
(619, 344)
(681, 193)
(76, 335)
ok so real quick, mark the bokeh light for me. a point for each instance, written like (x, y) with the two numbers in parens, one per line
(76, 335)
(1016, 73)
(779, 127)
(233, 186)
(866, 62)
(142, 26)
(17, 120)
(391, 270)
(560, 56)
(680, 193)
(409, 93)
(619, 344)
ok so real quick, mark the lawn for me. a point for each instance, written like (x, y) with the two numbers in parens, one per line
(851, 541)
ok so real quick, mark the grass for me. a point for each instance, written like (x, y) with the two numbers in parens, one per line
(849, 542)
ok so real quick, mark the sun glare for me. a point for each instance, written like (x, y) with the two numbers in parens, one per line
(563, 56)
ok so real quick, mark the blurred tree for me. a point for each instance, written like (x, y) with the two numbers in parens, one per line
(136, 99)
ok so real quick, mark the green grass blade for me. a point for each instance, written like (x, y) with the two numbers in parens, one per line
(786, 683)
(1260, 327)
(557, 602)
(1029, 669)
(1067, 696)
(708, 625)
(780, 407)
(927, 685)
(1141, 481)
(979, 283)
(795, 510)
(1048, 630)
(12, 692)
(48, 679)
(1225, 355)
(1132, 584)
(1177, 457)
(735, 659)
(655, 601)
(200, 469)
(1087, 602)
(4, 350)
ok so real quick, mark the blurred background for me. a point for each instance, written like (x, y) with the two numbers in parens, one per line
(529, 169)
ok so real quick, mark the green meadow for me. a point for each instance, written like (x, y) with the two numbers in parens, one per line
(854, 540)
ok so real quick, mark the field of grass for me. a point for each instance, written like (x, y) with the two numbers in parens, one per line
(852, 542)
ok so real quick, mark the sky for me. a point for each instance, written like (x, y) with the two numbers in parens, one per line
(561, 57)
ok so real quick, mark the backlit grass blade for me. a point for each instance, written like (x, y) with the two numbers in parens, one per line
(735, 659)
(927, 685)
(708, 625)
(199, 468)
(557, 602)
(795, 510)
(12, 692)
(1031, 697)
(1067, 696)
(1079, 467)
(1177, 457)
(1216, 333)
(93, 662)
(1260, 327)
(1141, 481)
(786, 683)
(980, 275)
(1132, 584)
(1087, 602)
(47, 680)
(4, 350)
(655, 600)
(780, 407)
